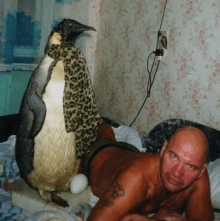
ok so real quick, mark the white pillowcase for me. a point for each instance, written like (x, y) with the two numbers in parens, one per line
(214, 176)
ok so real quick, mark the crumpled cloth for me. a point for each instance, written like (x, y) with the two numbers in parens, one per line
(128, 135)
(214, 177)
(52, 216)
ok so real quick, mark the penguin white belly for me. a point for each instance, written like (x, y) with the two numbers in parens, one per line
(54, 153)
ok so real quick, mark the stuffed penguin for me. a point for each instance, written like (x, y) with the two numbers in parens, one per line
(58, 115)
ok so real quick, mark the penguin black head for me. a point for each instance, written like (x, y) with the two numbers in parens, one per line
(70, 29)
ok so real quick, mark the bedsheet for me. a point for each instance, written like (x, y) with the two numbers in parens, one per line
(9, 173)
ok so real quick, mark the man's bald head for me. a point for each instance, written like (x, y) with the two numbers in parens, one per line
(183, 158)
(193, 138)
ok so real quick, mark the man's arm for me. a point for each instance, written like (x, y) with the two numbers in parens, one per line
(125, 193)
(199, 206)
(164, 216)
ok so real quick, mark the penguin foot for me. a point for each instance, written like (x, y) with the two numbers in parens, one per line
(58, 200)
(45, 195)
(52, 197)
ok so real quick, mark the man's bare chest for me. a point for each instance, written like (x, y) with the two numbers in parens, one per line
(174, 202)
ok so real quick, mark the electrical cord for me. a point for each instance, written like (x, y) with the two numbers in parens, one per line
(154, 75)
(149, 73)
(163, 15)
(149, 78)
(158, 52)
(147, 62)
(148, 93)
(149, 83)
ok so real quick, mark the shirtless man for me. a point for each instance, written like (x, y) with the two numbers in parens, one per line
(132, 185)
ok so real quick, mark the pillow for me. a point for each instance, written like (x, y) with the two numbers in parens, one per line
(214, 177)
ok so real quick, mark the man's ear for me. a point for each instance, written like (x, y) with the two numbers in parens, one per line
(203, 170)
(163, 148)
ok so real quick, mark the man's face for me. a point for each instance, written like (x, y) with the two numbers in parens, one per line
(181, 165)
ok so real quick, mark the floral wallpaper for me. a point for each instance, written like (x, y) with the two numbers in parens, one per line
(187, 84)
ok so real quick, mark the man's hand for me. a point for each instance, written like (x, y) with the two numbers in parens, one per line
(135, 217)
(168, 215)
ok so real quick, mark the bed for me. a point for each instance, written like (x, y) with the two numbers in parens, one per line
(149, 143)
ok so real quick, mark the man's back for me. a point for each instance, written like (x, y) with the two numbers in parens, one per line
(110, 164)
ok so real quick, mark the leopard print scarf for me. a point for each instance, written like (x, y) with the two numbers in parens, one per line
(80, 112)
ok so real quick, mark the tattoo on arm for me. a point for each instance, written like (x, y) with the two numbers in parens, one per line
(117, 191)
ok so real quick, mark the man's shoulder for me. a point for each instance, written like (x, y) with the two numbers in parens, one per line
(142, 169)
(132, 182)
(146, 163)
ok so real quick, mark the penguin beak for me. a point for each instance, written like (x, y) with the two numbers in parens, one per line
(79, 29)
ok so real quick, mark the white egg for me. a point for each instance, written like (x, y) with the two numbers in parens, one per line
(78, 184)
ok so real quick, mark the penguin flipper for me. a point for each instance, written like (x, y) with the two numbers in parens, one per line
(38, 108)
